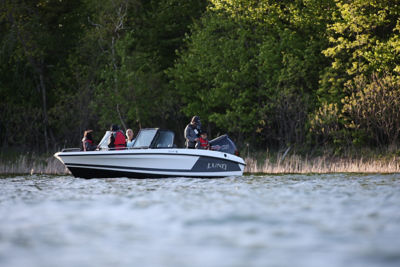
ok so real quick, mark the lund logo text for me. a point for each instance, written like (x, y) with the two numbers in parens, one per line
(217, 166)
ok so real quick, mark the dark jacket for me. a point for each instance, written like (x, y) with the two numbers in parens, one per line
(191, 133)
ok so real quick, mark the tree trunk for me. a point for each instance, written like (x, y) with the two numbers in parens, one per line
(44, 107)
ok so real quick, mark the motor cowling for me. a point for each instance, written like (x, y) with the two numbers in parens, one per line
(224, 144)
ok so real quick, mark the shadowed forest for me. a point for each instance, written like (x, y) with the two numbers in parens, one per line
(307, 74)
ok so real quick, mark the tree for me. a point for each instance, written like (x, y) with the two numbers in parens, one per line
(364, 39)
(364, 49)
(132, 87)
(34, 31)
(252, 67)
(374, 107)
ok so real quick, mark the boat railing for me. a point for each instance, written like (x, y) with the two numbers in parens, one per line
(134, 148)
(103, 149)
(115, 149)
(140, 147)
(74, 149)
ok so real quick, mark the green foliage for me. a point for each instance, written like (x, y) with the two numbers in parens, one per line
(251, 67)
(374, 107)
(364, 48)
(140, 42)
(364, 39)
(38, 36)
(210, 77)
(270, 73)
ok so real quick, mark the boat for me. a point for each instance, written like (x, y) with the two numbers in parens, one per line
(154, 155)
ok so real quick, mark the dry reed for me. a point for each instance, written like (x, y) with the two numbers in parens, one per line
(323, 164)
(29, 164)
(25, 164)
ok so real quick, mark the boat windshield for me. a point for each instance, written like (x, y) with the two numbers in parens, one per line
(144, 138)
(164, 139)
(104, 141)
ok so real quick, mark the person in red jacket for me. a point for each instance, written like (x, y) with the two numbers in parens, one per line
(202, 143)
(117, 138)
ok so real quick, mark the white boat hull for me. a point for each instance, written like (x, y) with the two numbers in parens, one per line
(152, 163)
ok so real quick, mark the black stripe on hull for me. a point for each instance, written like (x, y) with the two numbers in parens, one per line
(101, 173)
(122, 168)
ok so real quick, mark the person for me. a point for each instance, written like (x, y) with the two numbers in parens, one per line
(129, 140)
(202, 143)
(192, 131)
(117, 138)
(87, 141)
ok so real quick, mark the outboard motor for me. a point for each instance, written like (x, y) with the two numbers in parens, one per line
(224, 144)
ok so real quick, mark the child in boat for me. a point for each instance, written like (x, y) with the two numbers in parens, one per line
(87, 141)
(202, 143)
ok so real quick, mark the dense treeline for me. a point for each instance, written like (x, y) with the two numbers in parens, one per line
(270, 73)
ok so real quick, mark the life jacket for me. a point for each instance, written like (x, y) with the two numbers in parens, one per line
(84, 141)
(89, 141)
(203, 143)
(119, 140)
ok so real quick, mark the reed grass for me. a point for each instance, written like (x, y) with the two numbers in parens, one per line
(322, 164)
(269, 164)
(32, 164)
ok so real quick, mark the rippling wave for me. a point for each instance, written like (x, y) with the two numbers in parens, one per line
(283, 220)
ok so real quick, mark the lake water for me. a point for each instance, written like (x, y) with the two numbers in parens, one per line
(286, 220)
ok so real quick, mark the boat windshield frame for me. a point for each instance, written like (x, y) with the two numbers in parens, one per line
(103, 145)
(163, 139)
(146, 138)
(154, 138)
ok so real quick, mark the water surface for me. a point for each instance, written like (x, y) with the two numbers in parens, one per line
(287, 220)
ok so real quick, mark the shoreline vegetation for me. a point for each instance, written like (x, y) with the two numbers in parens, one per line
(266, 163)
(30, 163)
(324, 164)
(308, 74)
